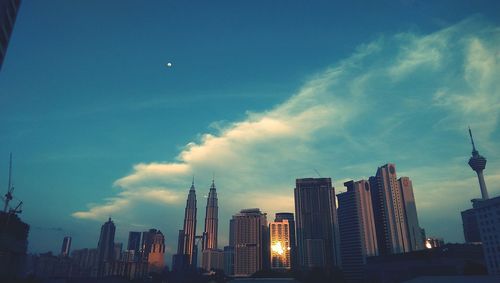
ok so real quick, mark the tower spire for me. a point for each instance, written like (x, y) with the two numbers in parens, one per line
(192, 185)
(478, 164)
(474, 151)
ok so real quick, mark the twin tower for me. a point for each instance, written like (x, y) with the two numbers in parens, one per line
(187, 246)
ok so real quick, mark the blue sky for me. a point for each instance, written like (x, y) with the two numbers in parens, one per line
(260, 93)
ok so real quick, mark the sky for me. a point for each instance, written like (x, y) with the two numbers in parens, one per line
(259, 93)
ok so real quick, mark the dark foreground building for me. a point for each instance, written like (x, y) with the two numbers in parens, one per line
(13, 245)
(8, 13)
(449, 260)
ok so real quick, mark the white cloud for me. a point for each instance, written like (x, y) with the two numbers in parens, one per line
(396, 99)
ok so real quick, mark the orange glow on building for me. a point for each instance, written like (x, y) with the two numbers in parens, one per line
(279, 235)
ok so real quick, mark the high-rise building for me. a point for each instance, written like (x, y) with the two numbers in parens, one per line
(488, 217)
(156, 257)
(8, 14)
(389, 211)
(316, 219)
(106, 245)
(66, 246)
(187, 236)
(413, 229)
(210, 253)
(211, 220)
(212, 259)
(279, 239)
(280, 216)
(229, 260)
(118, 247)
(250, 240)
(231, 232)
(229, 250)
(470, 226)
(478, 164)
(134, 243)
(146, 242)
(357, 229)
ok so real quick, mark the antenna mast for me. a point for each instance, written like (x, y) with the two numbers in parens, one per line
(8, 195)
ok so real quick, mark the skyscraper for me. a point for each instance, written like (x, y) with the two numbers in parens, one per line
(389, 212)
(279, 239)
(317, 228)
(8, 14)
(134, 243)
(229, 251)
(250, 239)
(187, 236)
(147, 241)
(487, 213)
(413, 229)
(105, 246)
(211, 220)
(212, 259)
(66, 246)
(357, 229)
(280, 216)
(470, 226)
(156, 255)
(117, 251)
(478, 164)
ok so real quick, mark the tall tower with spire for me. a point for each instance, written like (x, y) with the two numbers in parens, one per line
(189, 233)
(478, 164)
(211, 220)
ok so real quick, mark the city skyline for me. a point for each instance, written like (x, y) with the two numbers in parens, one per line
(286, 118)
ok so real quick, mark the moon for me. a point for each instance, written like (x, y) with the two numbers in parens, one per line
(168, 64)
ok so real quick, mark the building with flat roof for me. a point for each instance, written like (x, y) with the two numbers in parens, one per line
(66, 246)
(250, 242)
(280, 216)
(280, 250)
(316, 224)
(488, 219)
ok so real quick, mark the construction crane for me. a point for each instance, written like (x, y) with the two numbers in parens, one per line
(8, 196)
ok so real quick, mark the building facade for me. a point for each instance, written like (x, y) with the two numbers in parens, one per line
(106, 245)
(470, 226)
(357, 229)
(279, 239)
(156, 257)
(229, 260)
(211, 220)
(250, 242)
(212, 259)
(187, 236)
(317, 228)
(280, 216)
(389, 211)
(488, 219)
(414, 232)
(66, 246)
